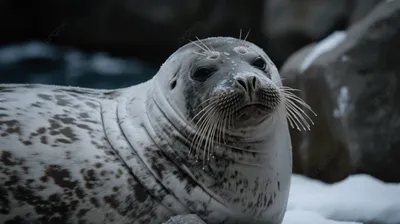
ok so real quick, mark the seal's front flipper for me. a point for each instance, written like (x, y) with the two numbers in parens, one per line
(185, 219)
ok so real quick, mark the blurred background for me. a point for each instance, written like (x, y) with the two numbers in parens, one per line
(342, 54)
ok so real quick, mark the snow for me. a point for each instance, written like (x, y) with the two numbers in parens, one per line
(357, 199)
(322, 47)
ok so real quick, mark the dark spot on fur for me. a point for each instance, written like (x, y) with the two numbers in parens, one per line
(27, 142)
(44, 96)
(16, 220)
(82, 212)
(279, 186)
(111, 200)
(3, 115)
(6, 159)
(43, 139)
(12, 180)
(84, 115)
(91, 105)
(79, 192)
(4, 201)
(90, 178)
(84, 126)
(44, 179)
(140, 193)
(61, 101)
(95, 202)
(98, 165)
(13, 126)
(61, 176)
(41, 130)
(64, 119)
(67, 132)
(54, 124)
(61, 140)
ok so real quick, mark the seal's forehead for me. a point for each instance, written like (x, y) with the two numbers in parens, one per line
(223, 44)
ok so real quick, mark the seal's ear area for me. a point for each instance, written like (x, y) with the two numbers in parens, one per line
(174, 79)
(172, 84)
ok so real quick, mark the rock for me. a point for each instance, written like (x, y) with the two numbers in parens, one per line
(291, 24)
(350, 79)
(185, 219)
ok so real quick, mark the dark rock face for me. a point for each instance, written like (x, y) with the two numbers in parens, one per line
(351, 80)
(149, 30)
(291, 24)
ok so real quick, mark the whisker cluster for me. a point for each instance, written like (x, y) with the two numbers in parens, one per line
(202, 46)
(211, 126)
(296, 116)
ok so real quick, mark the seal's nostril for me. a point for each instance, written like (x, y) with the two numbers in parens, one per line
(242, 83)
(253, 82)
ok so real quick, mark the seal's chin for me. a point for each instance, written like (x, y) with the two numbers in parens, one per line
(252, 114)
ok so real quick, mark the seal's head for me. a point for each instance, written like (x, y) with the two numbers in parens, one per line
(229, 79)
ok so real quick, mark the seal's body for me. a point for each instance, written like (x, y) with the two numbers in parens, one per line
(207, 135)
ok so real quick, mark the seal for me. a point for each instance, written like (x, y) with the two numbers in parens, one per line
(207, 135)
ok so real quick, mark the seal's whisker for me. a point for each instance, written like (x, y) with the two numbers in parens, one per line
(240, 34)
(247, 35)
(203, 110)
(300, 101)
(201, 47)
(286, 88)
(201, 42)
(211, 138)
(204, 130)
(199, 131)
(295, 119)
(199, 127)
(212, 99)
(297, 99)
(199, 53)
(300, 118)
(206, 137)
(290, 119)
(301, 110)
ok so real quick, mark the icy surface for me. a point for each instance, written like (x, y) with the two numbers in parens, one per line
(359, 198)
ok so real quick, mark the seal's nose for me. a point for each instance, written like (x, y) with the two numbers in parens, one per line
(249, 84)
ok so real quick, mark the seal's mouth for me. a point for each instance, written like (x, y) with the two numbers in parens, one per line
(253, 113)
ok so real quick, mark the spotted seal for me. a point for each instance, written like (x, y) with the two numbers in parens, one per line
(208, 135)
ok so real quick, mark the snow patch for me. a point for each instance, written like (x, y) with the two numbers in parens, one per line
(359, 198)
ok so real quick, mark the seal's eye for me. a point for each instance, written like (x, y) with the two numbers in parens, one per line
(259, 63)
(202, 74)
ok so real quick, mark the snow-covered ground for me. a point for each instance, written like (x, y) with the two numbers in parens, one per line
(357, 199)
